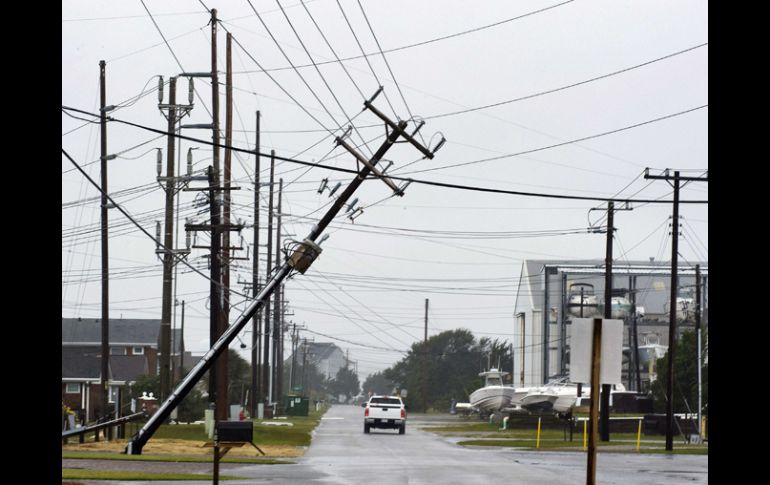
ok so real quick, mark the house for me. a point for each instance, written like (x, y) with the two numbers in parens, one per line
(133, 351)
(545, 307)
(326, 356)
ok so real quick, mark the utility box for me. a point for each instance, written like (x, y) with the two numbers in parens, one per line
(296, 405)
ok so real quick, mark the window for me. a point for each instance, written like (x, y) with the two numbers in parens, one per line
(137, 350)
(118, 351)
(114, 390)
(72, 388)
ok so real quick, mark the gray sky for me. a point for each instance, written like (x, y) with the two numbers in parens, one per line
(461, 249)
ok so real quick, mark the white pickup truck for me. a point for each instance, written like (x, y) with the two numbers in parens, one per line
(385, 412)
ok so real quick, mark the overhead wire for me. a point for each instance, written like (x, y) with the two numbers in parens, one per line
(387, 64)
(427, 182)
(320, 74)
(366, 58)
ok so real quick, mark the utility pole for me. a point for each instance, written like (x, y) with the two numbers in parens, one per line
(604, 411)
(523, 317)
(293, 355)
(218, 378)
(698, 348)
(215, 286)
(302, 257)
(256, 326)
(222, 406)
(104, 378)
(580, 384)
(168, 242)
(635, 351)
(278, 314)
(266, 371)
(672, 310)
(425, 363)
(181, 345)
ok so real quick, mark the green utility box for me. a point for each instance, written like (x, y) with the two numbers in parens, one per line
(295, 405)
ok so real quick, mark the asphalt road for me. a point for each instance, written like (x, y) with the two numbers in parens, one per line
(341, 453)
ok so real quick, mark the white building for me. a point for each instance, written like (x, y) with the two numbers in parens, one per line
(544, 310)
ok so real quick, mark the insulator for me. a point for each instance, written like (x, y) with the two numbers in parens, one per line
(323, 185)
(160, 89)
(335, 189)
(190, 91)
(189, 161)
(159, 164)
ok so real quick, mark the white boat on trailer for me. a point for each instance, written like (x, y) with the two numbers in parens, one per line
(494, 395)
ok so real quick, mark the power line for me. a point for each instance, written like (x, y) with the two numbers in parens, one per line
(442, 184)
(597, 135)
(568, 86)
(425, 42)
(364, 55)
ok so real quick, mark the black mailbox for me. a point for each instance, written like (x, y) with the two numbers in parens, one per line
(235, 430)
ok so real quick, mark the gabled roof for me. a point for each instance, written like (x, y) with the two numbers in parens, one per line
(127, 367)
(81, 362)
(321, 350)
(78, 362)
(76, 331)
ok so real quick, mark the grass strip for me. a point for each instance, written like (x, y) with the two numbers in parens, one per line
(97, 455)
(76, 474)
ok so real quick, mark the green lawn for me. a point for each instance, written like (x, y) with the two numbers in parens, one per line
(296, 435)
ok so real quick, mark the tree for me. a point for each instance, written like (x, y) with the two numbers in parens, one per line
(144, 383)
(377, 383)
(685, 377)
(345, 383)
(454, 359)
(308, 380)
(238, 377)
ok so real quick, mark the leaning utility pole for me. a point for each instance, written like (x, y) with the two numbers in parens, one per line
(256, 328)
(104, 378)
(672, 310)
(302, 256)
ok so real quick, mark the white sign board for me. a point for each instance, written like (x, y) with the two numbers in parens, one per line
(581, 340)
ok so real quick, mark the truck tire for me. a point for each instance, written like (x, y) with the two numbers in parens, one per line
(402, 429)
(366, 428)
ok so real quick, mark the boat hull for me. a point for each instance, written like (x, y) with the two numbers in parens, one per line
(491, 398)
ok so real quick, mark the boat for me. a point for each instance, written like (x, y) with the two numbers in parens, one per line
(582, 300)
(494, 395)
(545, 398)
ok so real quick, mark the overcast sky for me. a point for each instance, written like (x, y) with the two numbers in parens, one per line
(564, 78)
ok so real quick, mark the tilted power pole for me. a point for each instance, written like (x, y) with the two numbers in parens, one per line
(302, 256)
